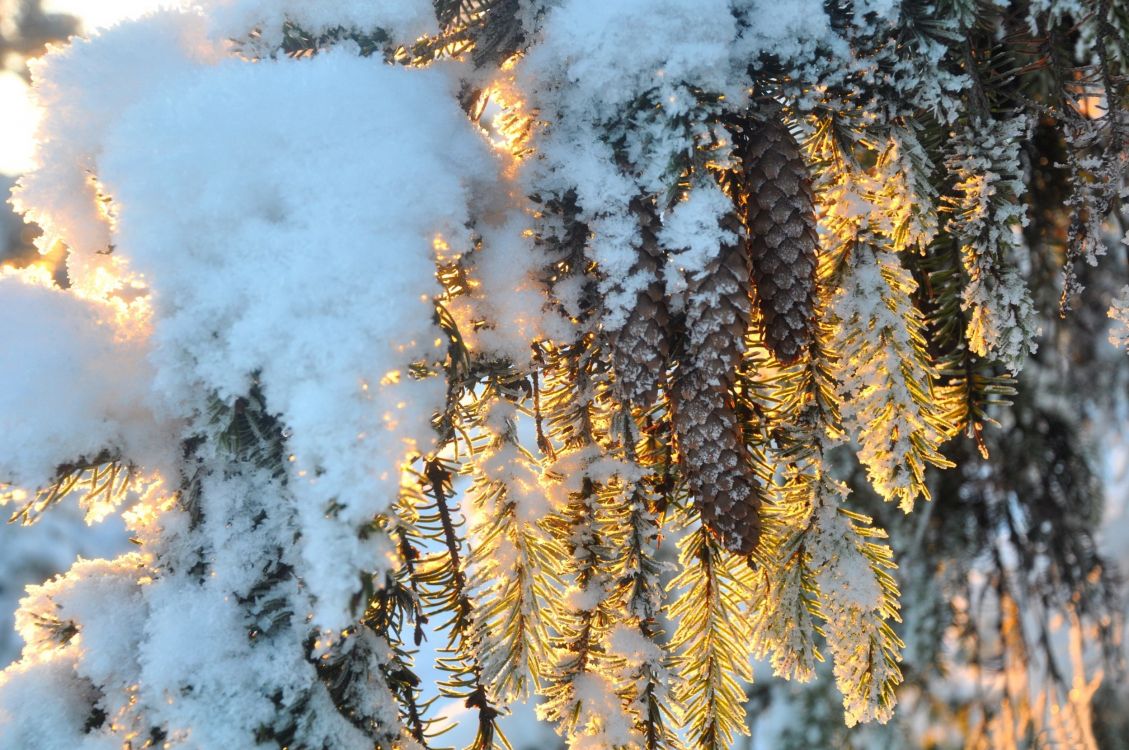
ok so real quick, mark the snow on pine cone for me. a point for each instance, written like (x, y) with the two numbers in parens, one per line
(641, 348)
(711, 444)
(782, 241)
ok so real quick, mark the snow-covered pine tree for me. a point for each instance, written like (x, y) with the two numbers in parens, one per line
(393, 319)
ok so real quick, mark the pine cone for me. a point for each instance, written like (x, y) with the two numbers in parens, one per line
(715, 461)
(718, 310)
(711, 444)
(641, 348)
(782, 240)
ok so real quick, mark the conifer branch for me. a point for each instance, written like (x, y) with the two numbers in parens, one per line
(103, 480)
(711, 640)
(510, 600)
(444, 592)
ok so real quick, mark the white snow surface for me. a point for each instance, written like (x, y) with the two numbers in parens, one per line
(141, 58)
(282, 220)
(787, 29)
(298, 249)
(693, 229)
(591, 47)
(70, 386)
(404, 19)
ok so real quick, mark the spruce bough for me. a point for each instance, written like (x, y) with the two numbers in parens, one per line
(582, 339)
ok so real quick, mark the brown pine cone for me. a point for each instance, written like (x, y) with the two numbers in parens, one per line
(782, 241)
(715, 461)
(718, 310)
(641, 348)
(710, 440)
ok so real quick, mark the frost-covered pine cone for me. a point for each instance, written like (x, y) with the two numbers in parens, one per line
(641, 348)
(782, 240)
(718, 310)
(711, 445)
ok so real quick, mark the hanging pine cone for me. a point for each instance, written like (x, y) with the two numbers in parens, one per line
(715, 461)
(641, 348)
(718, 310)
(782, 241)
(710, 440)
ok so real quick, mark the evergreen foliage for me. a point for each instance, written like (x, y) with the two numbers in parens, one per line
(717, 310)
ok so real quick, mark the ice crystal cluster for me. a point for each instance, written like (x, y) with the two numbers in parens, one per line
(543, 329)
